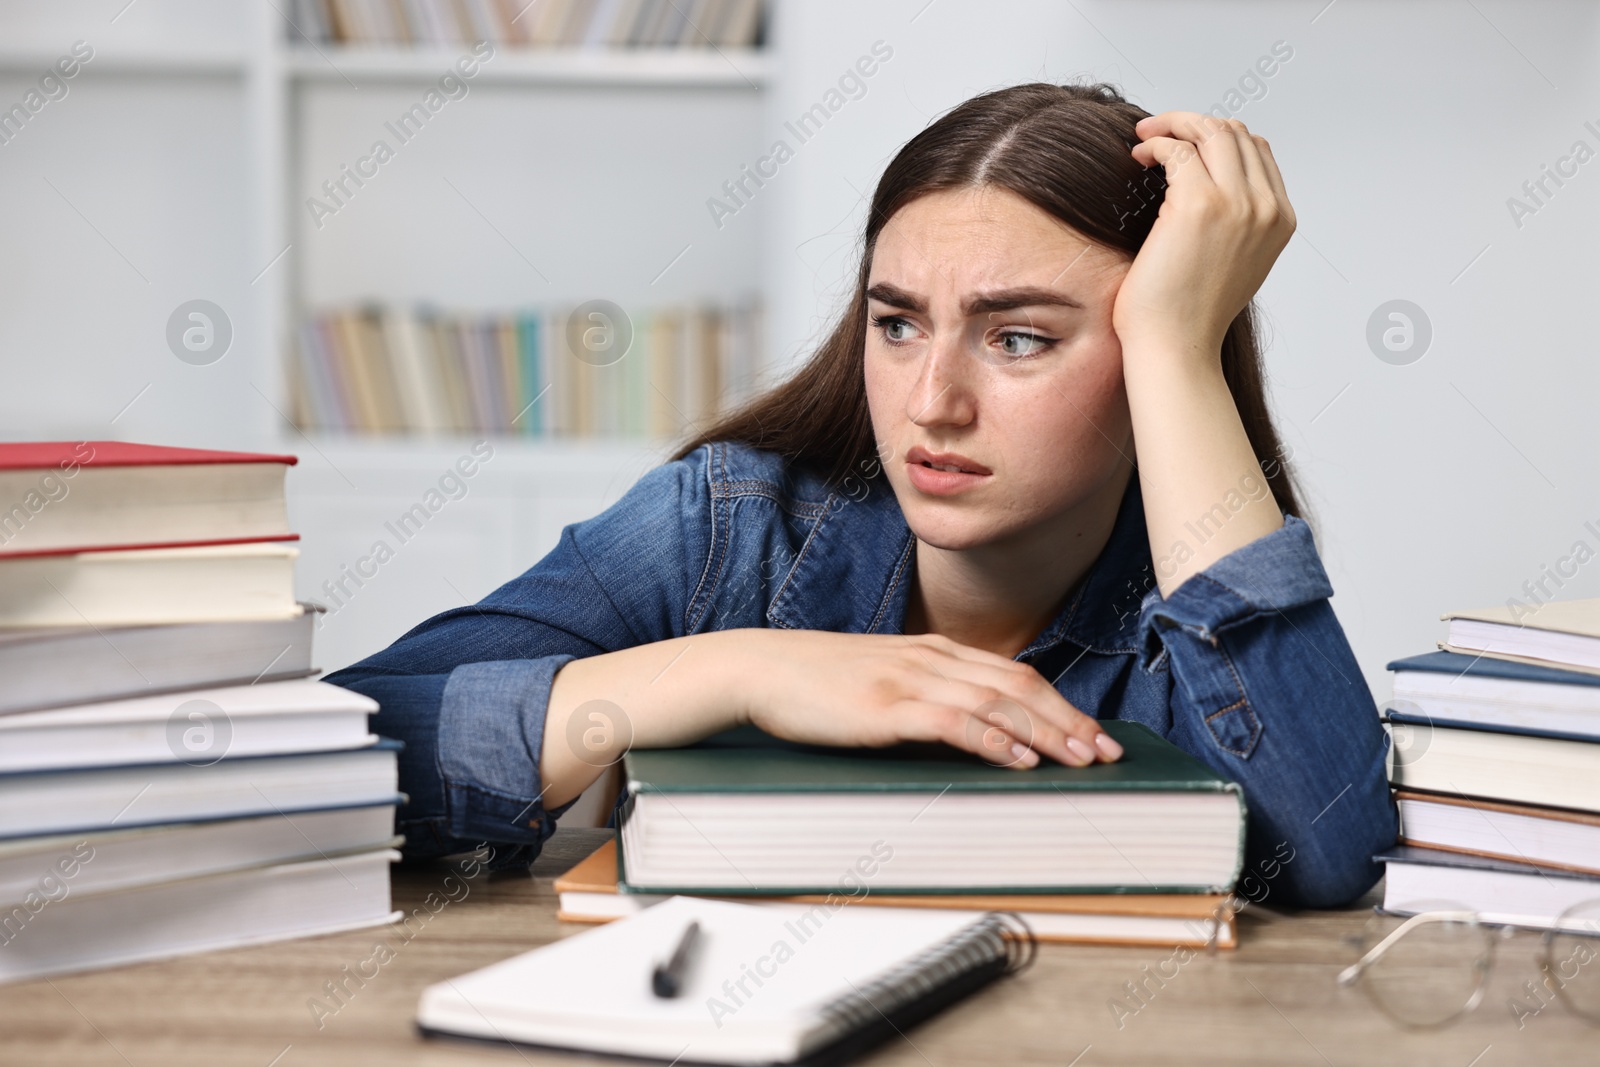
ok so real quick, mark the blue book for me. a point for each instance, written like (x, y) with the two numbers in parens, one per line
(1455, 663)
(1504, 696)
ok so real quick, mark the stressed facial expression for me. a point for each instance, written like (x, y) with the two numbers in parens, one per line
(993, 374)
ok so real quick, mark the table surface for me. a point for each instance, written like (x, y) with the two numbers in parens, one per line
(1273, 1000)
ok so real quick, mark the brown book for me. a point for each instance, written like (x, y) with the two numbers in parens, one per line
(344, 21)
(589, 895)
(1522, 833)
(356, 371)
(379, 361)
(666, 405)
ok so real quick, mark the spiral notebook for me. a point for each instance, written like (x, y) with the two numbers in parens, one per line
(766, 984)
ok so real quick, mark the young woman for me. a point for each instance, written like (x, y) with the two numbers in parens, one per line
(1029, 482)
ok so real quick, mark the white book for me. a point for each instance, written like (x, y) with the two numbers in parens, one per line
(74, 801)
(173, 918)
(765, 983)
(1524, 833)
(1502, 893)
(415, 381)
(62, 665)
(1498, 766)
(34, 869)
(145, 586)
(597, 34)
(1513, 703)
(194, 726)
(1560, 633)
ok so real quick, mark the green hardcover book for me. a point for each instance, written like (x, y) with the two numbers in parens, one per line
(749, 815)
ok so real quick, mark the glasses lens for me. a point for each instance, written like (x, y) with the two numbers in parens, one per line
(1572, 959)
(1433, 971)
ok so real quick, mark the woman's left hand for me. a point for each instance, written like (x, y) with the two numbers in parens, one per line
(1222, 223)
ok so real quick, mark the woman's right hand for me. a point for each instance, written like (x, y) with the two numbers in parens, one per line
(872, 690)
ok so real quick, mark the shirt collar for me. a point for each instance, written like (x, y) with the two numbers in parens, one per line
(853, 575)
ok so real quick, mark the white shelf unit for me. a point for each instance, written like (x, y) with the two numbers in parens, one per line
(587, 182)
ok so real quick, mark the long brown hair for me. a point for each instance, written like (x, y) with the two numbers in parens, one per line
(1064, 148)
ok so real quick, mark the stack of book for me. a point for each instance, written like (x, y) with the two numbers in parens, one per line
(1496, 767)
(1141, 851)
(414, 371)
(172, 779)
(548, 23)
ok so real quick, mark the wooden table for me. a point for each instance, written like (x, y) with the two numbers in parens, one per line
(1273, 1000)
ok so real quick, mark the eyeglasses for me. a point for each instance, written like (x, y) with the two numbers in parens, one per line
(1429, 969)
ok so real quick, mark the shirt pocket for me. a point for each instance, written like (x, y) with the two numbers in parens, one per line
(1210, 682)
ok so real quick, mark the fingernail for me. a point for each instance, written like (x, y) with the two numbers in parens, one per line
(1024, 755)
(1110, 748)
(1081, 750)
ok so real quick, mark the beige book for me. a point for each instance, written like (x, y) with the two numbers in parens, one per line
(1558, 633)
(666, 405)
(355, 371)
(253, 580)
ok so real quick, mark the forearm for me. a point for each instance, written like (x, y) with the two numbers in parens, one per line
(658, 695)
(1204, 492)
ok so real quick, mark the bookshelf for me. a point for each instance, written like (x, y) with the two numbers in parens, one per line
(400, 244)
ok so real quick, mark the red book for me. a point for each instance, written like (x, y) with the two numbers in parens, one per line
(60, 497)
(33, 455)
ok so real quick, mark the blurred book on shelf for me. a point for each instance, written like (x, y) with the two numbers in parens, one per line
(518, 23)
(565, 373)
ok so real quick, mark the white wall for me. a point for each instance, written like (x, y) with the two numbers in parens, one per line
(119, 202)
(1401, 130)
(598, 189)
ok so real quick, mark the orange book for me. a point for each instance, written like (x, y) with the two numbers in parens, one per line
(589, 895)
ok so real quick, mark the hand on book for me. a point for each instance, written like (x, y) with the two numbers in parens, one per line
(874, 690)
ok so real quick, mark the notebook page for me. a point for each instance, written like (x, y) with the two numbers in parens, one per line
(759, 975)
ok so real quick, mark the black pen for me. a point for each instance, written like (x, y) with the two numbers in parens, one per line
(667, 981)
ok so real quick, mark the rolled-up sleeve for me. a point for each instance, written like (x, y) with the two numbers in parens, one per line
(1266, 691)
(467, 690)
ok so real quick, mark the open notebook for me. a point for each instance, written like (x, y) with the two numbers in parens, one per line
(767, 983)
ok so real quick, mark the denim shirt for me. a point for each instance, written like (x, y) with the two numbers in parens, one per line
(1244, 666)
